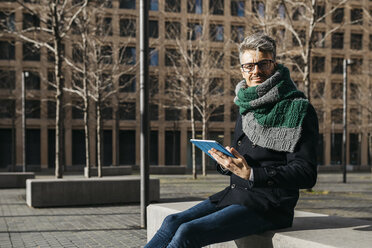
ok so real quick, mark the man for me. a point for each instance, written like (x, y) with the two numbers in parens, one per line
(275, 155)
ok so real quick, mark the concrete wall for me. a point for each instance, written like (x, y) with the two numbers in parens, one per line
(15, 179)
(87, 191)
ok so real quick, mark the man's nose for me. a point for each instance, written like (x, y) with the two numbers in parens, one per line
(256, 69)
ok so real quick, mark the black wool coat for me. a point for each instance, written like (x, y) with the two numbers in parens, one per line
(278, 176)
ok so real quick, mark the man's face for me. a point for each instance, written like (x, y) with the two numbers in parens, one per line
(257, 74)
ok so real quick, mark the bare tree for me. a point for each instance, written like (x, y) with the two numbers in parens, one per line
(194, 65)
(56, 18)
(98, 70)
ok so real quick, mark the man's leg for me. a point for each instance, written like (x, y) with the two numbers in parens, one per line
(171, 223)
(229, 223)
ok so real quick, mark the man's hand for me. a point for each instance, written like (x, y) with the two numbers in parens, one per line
(238, 165)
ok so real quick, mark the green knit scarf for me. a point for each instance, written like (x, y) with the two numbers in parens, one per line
(272, 112)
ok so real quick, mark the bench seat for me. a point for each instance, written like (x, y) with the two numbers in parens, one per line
(309, 230)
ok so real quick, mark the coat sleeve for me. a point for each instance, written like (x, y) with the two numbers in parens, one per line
(301, 168)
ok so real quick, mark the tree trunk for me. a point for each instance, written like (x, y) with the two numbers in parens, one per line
(99, 138)
(194, 173)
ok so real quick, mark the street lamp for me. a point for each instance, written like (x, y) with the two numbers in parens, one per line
(346, 63)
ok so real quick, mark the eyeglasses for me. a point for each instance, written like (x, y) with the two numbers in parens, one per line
(262, 65)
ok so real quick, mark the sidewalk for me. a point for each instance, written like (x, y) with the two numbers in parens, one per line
(118, 226)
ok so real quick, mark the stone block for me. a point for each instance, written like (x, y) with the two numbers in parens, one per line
(87, 191)
(309, 230)
(15, 179)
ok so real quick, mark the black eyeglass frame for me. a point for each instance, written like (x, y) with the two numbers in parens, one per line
(259, 64)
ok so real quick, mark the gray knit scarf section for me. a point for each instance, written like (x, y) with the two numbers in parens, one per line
(276, 138)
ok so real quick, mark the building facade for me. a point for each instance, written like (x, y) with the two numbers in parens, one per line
(225, 22)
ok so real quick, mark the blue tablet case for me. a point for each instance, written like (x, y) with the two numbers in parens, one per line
(206, 145)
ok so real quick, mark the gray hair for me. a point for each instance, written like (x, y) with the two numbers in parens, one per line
(258, 42)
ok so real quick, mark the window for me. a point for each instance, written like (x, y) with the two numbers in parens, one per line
(320, 12)
(154, 5)
(216, 32)
(298, 63)
(337, 65)
(127, 4)
(195, 31)
(7, 21)
(356, 16)
(217, 114)
(32, 109)
(216, 7)
(356, 66)
(172, 57)
(237, 33)
(194, 57)
(153, 29)
(258, 8)
(77, 53)
(356, 41)
(78, 147)
(154, 112)
(234, 113)
(30, 21)
(336, 115)
(299, 13)
(318, 39)
(355, 148)
(172, 5)
(30, 52)
(237, 8)
(127, 83)
(127, 147)
(354, 91)
(154, 57)
(338, 15)
(216, 58)
(197, 115)
(216, 86)
(107, 113)
(32, 80)
(7, 50)
(301, 35)
(105, 55)
(127, 55)
(281, 11)
(172, 30)
(7, 108)
(172, 114)
(338, 40)
(7, 79)
(153, 85)
(336, 90)
(128, 27)
(318, 64)
(104, 26)
(195, 6)
(33, 147)
(172, 147)
(336, 148)
(77, 111)
(127, 111)
(318, 90)
(51, 110)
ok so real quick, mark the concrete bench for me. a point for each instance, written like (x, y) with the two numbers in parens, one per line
(309, 230)
(110, 170)
(15, 179)
(87, 191)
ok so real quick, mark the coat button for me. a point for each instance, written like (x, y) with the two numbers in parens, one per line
(253, 145)
(270, 183)
(272, 173)
(232, 186)
(239, 143)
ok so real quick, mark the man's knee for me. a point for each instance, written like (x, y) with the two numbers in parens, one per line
(186, 235)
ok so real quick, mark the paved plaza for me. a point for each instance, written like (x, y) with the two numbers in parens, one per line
(119, 225)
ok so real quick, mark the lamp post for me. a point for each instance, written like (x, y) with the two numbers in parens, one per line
(24, 74)
(346, 62)
(144, 102)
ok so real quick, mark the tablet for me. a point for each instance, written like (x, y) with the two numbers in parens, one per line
(206, 145)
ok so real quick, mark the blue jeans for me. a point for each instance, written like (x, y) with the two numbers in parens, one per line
(206, 224)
